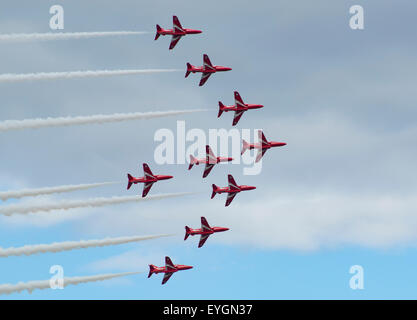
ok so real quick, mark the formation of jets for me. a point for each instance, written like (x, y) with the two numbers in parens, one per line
(210, 160)
(205, 231)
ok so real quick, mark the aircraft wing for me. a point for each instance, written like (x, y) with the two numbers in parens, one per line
(166, 277)
(230, 197)
(203, 240)
(204, 224)
(260, 154)
(169, 265)
(232, 183)
(238, 115)
(261, 138)
(207, 63)
(146, 187)
(210, 157)
(239, 101)
(204, 78)
(147, 171)
(207, 169)
(177, 25)
(174, 41)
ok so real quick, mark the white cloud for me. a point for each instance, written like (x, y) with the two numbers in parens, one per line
(334, 184)
(288, 221)
(347, 175)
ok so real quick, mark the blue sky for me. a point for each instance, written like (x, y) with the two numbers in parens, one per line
(341, 193)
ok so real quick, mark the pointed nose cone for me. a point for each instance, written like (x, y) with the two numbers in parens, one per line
(227, 69)
(187, 267)
(230, 159)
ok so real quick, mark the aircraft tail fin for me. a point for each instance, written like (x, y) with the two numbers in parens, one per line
(129, 181)
(245, 147)
(187, 232)
(158, 30)
(151, 270)
(221, 109)
(214, 190)
(189, 69)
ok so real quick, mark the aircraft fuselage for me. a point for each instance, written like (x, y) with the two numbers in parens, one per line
(193, 232)
(178, 267)
(234, 190)
(218, 160)
(147, 179)
(270, 144)
(213, 69)
(241, 108)
(171, 32)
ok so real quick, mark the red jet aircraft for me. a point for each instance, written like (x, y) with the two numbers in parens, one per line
(205, 231)
(231, 190)
(210, 160)
(263, 145)
(168, 270)
(177, 32)
(239, 108)
(207, 69)
(148, 179)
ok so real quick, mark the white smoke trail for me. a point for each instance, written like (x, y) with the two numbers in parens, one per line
(70, 245)
(16, 194)
(16, 77)
(19, 37)
(8, 125)
(46, 284)
(72, 204)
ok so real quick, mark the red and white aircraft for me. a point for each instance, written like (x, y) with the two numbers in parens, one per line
(205, 231)
(207, 69)
(263, 145)
(239, 108)
(168, 270)
(231, 190)
(148, 179)
(177, 32)
(210, 160)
